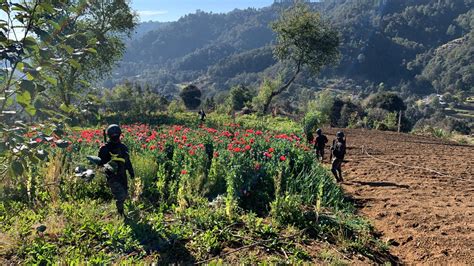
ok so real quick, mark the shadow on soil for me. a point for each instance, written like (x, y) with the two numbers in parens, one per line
(170, 248)
(380, 184)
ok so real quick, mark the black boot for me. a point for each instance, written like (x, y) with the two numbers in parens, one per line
(340, 177)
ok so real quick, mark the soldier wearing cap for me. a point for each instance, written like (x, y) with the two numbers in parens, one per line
(116, 161)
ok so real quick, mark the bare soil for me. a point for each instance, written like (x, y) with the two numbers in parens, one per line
(420, 197)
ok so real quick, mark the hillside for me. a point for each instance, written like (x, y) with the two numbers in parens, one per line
(394, 42)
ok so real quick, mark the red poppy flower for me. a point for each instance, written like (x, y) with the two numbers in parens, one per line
(237, 149)
(271, 150)
(268, 155)
(247, 147)
(183, 172)
(282, 158)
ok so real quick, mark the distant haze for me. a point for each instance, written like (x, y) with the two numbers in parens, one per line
(172, 10)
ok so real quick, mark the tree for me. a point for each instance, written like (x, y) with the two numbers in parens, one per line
(27, 37)
(239, 96)
(191, 96)
(304, 39)
(323, 105)
(95, 31)
(263, 98)
(387, 101)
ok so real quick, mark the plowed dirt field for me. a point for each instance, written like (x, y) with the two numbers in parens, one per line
(418, 192)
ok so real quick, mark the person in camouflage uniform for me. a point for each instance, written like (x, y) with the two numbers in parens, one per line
(114, 157)
(338, 151)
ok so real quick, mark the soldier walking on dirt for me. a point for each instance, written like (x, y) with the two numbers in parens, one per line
(320, 144)
(338, 150)
(116, 161)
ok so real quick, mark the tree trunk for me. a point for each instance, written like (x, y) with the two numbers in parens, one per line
(282, 89)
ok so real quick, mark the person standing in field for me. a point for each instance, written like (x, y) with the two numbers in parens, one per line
(320, 144)
(338, 151)
(202, 115)
(116, 161)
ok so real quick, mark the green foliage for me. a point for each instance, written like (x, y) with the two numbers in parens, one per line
(387, 101)
(86, 49)
(191, 96)
(239, 97)
(390, 42)
(304, 38)
(448, 70)
(44, 60)
(134, 100)
(267, 88)
(322, 106)
(176, 106)
(287, 209)
(311, 122)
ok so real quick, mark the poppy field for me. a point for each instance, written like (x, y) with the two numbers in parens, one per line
(200, 195)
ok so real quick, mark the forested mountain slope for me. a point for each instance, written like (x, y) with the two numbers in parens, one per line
(413, 45)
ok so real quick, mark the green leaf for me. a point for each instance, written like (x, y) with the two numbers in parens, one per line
(47, 7)
(40, 88)
(19, 7)
(65, 108)
(3, 38)
(50, 80)
(9, 102)
(17, 167)
(31, 110)
(29, 41)
(67, 48)
(31, 73)
(45, 53)
(55, 25)
(92, 42)
(20, 66)
(29, 76)
(75, 64)
(84, 82)
(5, 7)
(91, 50)
(27, 85)
(24, 99)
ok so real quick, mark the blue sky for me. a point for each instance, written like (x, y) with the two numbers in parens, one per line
(172, 10)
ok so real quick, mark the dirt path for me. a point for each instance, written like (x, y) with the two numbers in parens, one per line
(428, 217)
